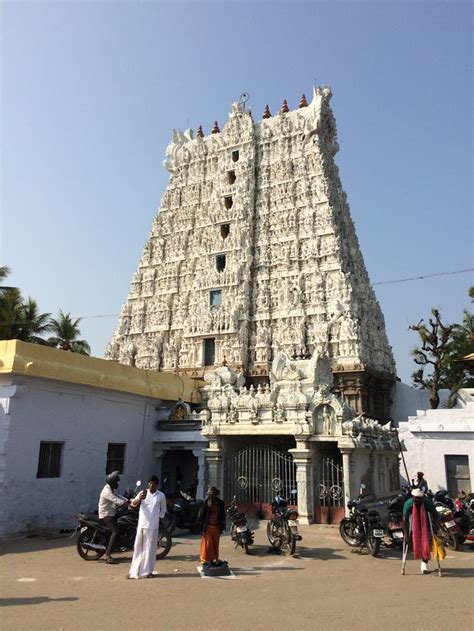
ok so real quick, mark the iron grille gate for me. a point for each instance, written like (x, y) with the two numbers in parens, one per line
(258, 473)
(331, 484)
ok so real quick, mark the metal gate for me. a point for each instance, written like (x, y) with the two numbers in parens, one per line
(258, 473)
(331, 484)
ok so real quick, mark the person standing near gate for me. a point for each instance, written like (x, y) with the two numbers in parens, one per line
(152, 504)
(211, 524)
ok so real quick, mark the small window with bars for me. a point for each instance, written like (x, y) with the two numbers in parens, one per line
(115, 457)
(49, 462)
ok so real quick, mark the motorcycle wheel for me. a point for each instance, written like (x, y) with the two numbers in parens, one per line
(164, 544)
(373, 543)
(274, 534)
(86, 537)
(450, 540)
(348, 533)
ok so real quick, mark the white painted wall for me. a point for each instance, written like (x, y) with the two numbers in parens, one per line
(86, 419)
(406, 400)
(430, 435)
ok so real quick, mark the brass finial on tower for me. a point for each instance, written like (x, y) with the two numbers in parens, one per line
(215, 129)
(284, 108)
(266, 112)
(303, 101)
(200, 133)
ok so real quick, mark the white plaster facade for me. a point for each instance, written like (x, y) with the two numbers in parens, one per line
(85, 419)
(432, 436)
(268, 198)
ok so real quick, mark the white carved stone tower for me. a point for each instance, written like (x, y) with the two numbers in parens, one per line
(253, 251)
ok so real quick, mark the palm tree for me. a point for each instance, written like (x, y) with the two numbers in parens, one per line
(10, 312)
(65, 333)
(20, 320)
(33, 324)
(4, 271)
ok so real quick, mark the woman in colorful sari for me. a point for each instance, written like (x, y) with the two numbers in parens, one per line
(211, 523)
(419, 514)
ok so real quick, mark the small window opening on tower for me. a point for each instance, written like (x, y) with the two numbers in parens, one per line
(228, 202)
(209, 351)
(220, 262)
(231, 177)
(215, 298)
(225, 229)
(235, 156)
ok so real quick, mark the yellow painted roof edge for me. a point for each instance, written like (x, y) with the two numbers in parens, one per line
(33, 360)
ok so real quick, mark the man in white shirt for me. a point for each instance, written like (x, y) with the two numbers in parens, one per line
(152, 504)
(109, 501)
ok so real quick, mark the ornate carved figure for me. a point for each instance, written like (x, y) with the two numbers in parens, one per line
(253, 253)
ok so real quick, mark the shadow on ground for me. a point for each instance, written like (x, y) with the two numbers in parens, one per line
(35, 600)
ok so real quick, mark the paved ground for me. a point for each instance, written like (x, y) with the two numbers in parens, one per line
(46, 585)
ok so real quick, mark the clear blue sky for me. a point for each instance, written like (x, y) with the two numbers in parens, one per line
(91, 92)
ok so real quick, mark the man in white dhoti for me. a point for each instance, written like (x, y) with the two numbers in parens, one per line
(152, 504)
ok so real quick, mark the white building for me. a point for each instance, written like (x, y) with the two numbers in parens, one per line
(66, 419)
(441, 444)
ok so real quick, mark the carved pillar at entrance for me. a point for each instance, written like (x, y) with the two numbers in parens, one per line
(201, 481)
(214, 455)
(303, 459)
(346, 470)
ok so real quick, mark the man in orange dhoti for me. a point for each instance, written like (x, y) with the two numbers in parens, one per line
(211, 523)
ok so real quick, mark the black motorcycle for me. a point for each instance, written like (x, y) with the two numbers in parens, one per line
(362, 527)
(94, 535)
(239, 531)
(182, 513)
(282, 529)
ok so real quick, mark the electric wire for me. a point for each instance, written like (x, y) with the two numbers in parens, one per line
(382, 282)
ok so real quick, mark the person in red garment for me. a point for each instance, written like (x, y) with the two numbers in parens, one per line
(419, 517)
(211, 523)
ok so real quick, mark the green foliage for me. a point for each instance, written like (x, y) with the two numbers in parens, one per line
(440, 354)
(65, 334)
(20, 319)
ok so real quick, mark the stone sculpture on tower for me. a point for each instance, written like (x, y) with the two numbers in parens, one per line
(253, 253)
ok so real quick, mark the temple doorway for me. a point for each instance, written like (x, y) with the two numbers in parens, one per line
(179, 472)
(329, 491)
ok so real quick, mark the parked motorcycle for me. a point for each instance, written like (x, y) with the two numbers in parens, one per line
(395, 518)
(94, 535)
(182, 513)
(282, 529)
(362, 527)
(464, 518)
(447, 528)
(455, 519)
(239, 531)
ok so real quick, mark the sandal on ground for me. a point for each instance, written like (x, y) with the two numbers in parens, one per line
(111, 561)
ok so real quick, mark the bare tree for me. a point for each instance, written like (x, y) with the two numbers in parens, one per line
(436, 342)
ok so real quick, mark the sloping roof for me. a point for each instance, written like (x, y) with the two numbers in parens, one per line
(22, 358)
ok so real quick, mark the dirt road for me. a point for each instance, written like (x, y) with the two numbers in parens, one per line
(46, 585)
